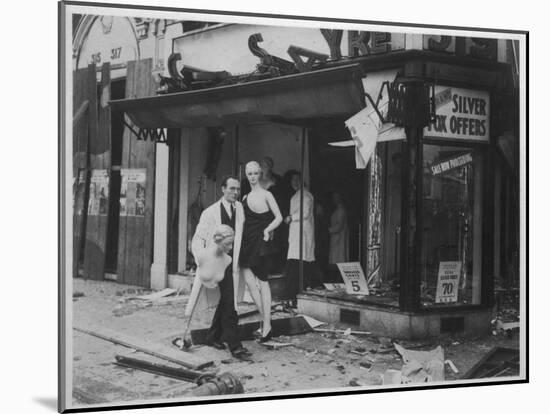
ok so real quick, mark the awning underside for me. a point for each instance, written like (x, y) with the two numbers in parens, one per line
(328, 93)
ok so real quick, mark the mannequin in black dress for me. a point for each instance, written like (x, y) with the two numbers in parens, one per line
(262, 216)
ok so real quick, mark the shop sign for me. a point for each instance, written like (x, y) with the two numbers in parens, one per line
(448, 165)
(117, 45)
(354, 278)
(460, 114)
(447, 282)
(477, 47)
(132, 192)
(99, 193)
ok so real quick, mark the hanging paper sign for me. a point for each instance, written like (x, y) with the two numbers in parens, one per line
(450, 164)
(363, 127)
(447, 282)
(354, 278)
(132, 192)
(99, 193)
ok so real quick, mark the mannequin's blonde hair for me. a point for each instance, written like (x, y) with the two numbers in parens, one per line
(222, 232)
(252, 164)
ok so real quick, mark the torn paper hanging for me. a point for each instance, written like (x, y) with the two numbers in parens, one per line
(363, 127)
(366, 129)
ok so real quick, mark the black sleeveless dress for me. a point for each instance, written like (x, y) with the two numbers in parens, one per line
(255, 251)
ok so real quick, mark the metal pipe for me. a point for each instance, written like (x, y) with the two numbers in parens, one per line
(225, 383)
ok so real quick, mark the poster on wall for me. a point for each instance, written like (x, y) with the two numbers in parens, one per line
(79, 183)
(354, 278)
(132, 192)
(460, 114)
(99, 193)
(447, 282)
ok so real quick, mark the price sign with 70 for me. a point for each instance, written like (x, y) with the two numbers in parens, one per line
(447, 282)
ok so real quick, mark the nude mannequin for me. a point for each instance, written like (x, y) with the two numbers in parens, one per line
(212, 261)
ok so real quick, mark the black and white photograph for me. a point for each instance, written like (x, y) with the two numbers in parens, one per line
(271, 206)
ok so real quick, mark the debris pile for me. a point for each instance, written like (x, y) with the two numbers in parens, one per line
(130, 304)
(418, 367)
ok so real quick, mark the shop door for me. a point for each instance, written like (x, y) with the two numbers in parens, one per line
(333, 176)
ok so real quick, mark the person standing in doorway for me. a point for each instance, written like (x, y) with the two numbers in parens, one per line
(338, 231)
(226, 211)
(262, 217)
(308, 238)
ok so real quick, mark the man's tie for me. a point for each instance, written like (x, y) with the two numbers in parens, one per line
(232, 211)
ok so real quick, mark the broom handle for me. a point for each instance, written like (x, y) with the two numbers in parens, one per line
(192, 313)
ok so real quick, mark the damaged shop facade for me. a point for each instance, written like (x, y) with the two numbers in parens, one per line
(417, 133)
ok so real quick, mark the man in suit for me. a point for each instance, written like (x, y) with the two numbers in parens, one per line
(227, 211)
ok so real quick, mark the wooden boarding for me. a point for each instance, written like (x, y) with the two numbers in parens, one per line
(185, 359)
(99, 152)
(82, 106)
(135, 246)
(284, 326)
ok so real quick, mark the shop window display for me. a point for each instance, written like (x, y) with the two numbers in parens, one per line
(450, 271)
(384, 223)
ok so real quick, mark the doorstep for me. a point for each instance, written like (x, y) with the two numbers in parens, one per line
(392, 322)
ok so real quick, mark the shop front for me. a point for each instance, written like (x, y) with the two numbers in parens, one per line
(407, 200)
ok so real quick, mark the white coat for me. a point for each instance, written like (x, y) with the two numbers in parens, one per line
(209, 220)
(294, 228)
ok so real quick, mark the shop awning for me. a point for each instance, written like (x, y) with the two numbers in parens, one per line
(296, 99)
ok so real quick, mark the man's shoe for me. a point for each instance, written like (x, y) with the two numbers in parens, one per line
(216, 344)
(241, 353)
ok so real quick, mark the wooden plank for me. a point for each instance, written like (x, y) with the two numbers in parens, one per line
(158, 350)
(136, 232)
(81, 80)
(155, 295)
(81, 112)
(99, 148)
(125, 162)
(80, 188)
(103, 149)
(80, 130)
(174, 137)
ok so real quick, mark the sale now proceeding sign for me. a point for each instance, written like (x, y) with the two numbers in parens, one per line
(354, 278)
(460, 114)
(447, 282)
